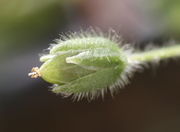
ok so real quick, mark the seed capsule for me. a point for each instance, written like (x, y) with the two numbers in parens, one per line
(84, 66)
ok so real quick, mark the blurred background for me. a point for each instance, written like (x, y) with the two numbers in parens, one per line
(151, 103)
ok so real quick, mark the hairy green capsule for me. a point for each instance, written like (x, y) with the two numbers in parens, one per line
(84, 66)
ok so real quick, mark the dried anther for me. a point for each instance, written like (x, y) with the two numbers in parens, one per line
(34, 73)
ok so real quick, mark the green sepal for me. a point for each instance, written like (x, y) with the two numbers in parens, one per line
(84, 44)
(92, 82)
(57, 71)
(97, 59)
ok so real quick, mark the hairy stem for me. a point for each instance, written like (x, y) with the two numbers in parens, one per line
(156, 54)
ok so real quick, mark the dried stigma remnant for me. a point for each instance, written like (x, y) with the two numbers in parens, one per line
(34, 73)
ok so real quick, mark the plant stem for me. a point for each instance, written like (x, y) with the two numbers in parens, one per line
(156, 54)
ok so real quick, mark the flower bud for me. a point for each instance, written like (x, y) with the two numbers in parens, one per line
(84, 67)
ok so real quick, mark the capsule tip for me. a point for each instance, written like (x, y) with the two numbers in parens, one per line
(34, 73)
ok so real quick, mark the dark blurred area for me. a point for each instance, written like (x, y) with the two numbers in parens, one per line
(151, 103)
